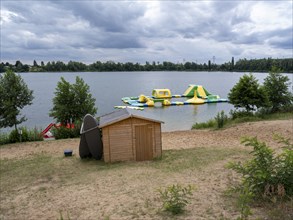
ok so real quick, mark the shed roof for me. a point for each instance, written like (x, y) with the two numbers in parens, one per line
(123, 114)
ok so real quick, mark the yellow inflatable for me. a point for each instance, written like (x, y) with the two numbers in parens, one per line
(161, 93)
(195, 100)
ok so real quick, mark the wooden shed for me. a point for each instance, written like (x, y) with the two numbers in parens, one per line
(130, 135)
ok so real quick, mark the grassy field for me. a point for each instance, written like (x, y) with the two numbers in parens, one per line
(55, 187)
(38, 182)
(38, 179)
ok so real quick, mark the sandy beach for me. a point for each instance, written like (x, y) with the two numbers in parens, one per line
(127, 190)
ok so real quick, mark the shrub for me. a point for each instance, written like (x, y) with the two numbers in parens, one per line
(26, 135)
(221, 119)
(240, 114)
(175, 198)
(64, 132)
(267, 174)
(15, 136)
(4, 138)
(209, 124)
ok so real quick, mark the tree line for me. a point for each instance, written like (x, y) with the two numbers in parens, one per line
(242, 65)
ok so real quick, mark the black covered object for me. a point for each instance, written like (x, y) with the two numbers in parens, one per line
(90, 142)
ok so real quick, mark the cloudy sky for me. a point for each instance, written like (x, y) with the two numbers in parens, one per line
(140, 31)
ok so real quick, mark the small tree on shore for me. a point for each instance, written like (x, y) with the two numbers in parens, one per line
(248, 94)
(14, 95)
(277, 88)
(72, 101)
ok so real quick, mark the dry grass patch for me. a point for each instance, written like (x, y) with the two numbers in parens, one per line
(43, 186)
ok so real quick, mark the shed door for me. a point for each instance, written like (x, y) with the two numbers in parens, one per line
(144, 142)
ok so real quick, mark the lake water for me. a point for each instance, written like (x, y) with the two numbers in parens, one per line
(109, 87)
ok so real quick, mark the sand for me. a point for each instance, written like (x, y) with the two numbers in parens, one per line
(130, 194)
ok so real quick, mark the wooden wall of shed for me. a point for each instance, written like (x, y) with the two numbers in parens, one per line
(119, 139)
(117, 142)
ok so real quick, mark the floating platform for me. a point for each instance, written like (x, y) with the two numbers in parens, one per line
(197, 94)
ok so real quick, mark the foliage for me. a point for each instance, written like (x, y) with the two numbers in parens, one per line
(64, 132)
(62, 218)
(276, 86)
(244, 200)
(221, 119)
(218, 122)
(21, 135)
(240, 114)
(248, 94)
(72, 101)
(175, 198)
(267, 175)
(14, 95)
(4, 138)
(242, 65)
(209, 124)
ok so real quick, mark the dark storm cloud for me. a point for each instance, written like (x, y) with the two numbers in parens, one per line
(142, 30)
(110, 16)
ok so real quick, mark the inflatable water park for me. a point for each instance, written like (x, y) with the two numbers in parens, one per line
(194, 94)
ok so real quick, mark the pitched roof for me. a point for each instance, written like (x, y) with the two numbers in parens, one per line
(123, 114)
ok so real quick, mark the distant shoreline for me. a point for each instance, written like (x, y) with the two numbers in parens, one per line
(285, 65)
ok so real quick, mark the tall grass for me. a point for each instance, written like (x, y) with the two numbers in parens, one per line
(24, 136)
(236, 117)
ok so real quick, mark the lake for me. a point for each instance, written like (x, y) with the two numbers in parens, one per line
(109, 87)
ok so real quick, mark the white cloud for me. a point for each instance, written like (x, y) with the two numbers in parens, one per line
(139, 31)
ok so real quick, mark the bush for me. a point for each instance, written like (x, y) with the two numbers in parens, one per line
(175, 198)
(26, 135)
(4, 138)
(64, 132)
(221, 119)
(267, 174)
(209, 124)
(240, 114)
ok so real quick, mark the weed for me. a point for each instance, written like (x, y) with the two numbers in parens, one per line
(267, 176)
(61, 216)
(209, 124)
(221, 119)
(175, 198)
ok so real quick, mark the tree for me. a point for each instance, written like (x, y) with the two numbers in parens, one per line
(35, 63)
(276, 86)
(72, 102)
(248, 94)
(14, 95)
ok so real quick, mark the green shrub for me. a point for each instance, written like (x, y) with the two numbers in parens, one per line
(240, 114)
(26, 135)
(267, 174)
(175, 198)
(244, 200)
(221, 119)
(15, 135)
(35, 135)
(4, 138)
(209, 124)
(64, 132)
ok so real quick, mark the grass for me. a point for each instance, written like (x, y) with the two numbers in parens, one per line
(31, 175)
(212, 123)
(209, 124)
(63, 170)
